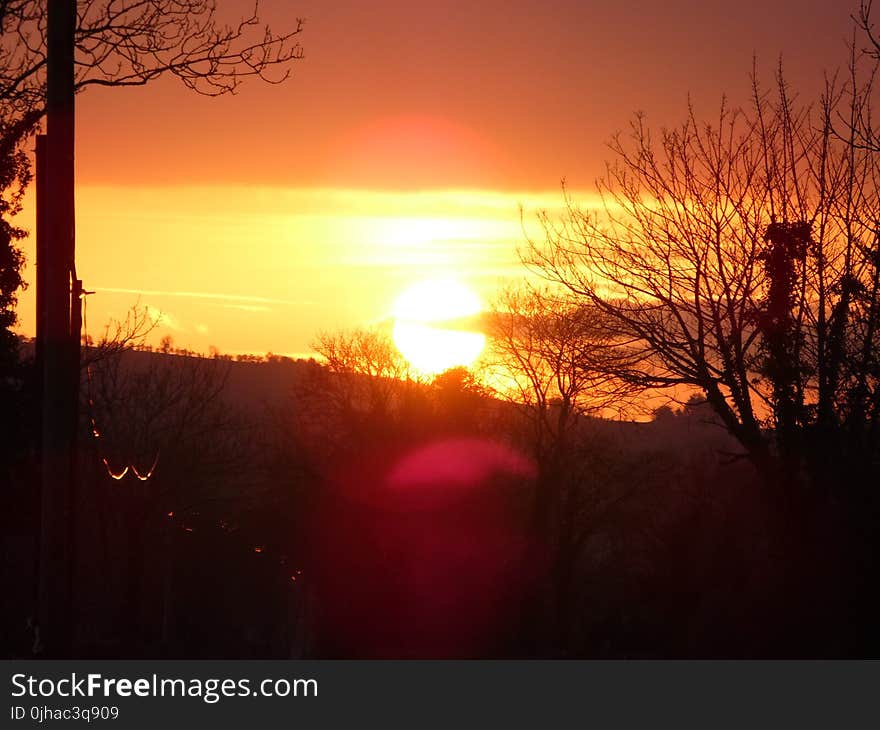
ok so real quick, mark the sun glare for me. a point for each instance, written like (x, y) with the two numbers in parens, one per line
(428, 327)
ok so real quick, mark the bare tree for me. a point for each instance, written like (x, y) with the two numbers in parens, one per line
(165, 446)
(117, 43)
(134, 42)
(356, 395)
(119, 335)
(365, 371)
(864, 64)
(550, 354)
(552, 357)
(740, 258)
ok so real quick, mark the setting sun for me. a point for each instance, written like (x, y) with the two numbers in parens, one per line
(430, 325)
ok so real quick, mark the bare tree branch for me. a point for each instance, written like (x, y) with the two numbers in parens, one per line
(134, 42)
(717, 240)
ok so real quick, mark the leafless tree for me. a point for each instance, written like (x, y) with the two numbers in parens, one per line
(367, 372)
(359, 391)
(864, 64)
(550, 354)
(740, 258)
(119, 335)
(552, 357)
(164, 446)
(134, 42)
(167, 403)
(370, 364)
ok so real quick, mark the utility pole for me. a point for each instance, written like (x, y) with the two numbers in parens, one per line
(60, 346)
(42, 165)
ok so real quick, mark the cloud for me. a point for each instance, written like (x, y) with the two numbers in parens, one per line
(247, 307)
(163, 319)
(199, 295)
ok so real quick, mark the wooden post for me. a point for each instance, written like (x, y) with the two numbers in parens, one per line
(60, 396)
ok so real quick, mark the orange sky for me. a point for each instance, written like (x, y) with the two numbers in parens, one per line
(400, 150)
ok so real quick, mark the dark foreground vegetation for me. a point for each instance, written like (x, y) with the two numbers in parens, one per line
(297, 509)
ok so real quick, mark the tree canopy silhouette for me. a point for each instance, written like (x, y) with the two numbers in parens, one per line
(741, 258)
(134, 42)
(14, 177)
(117, 43)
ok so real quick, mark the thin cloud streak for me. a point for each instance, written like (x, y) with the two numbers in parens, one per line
(202, 295)
(247, 307)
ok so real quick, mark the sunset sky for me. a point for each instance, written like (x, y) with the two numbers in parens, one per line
(400, 150)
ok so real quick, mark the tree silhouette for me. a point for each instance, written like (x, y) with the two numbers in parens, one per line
(460, 400)
(552, 357)
(366, 371)
(14, 178)
(15, 427)
(864, 60)
(118, 43)
(164, 440)
(134, 42)
(357, 395)
(740, 258)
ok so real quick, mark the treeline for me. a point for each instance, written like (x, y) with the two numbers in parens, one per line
(352, 509)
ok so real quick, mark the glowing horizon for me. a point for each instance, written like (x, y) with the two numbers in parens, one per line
(330, 194)
(269, 272)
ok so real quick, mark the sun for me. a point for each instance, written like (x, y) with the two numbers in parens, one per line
(431, 325)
